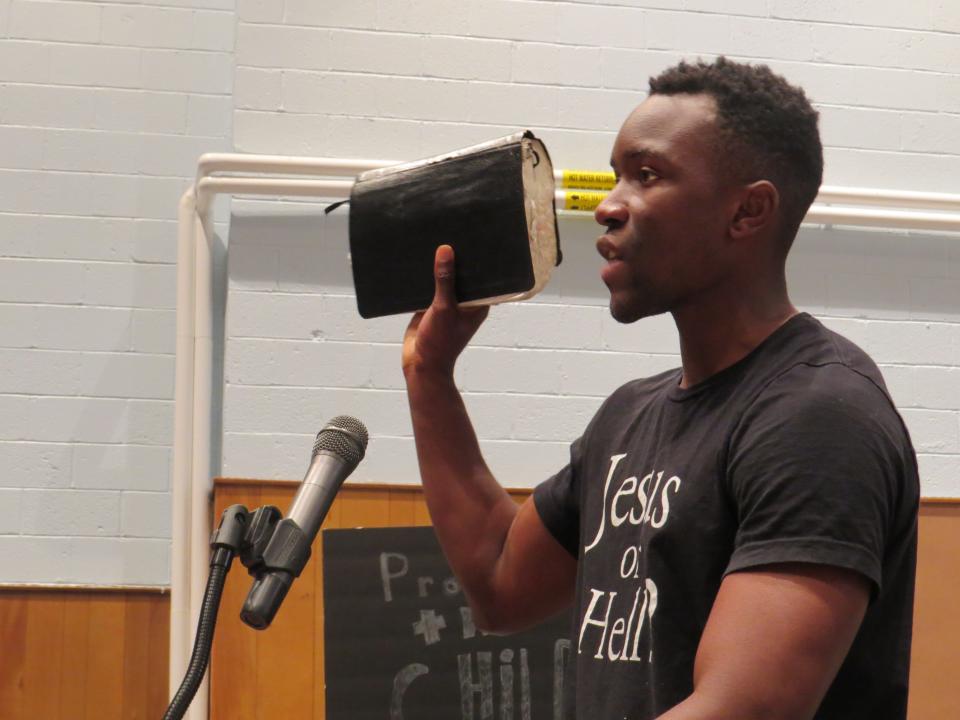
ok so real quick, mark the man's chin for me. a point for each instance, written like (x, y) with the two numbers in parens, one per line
(627, 314)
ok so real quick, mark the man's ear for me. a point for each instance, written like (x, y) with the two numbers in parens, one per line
(757, 211)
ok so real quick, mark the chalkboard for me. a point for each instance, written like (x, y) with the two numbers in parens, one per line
(400, 642)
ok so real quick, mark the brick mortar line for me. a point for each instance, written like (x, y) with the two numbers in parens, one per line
(811, 63)
(750, 58)
(532, 349)
(640, 10)
(109, 88)
(72, 443)
(111, 46)
(100, 131)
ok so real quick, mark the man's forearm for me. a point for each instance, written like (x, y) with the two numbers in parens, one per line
(471, 512)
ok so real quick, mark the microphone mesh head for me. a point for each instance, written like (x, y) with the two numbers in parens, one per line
(345, 437)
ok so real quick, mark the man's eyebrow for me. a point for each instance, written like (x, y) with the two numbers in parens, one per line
(642, 153)
(645, 152)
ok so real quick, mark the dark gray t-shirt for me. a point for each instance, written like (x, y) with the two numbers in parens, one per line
(794, 454)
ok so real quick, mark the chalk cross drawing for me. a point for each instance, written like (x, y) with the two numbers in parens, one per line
(429, 625)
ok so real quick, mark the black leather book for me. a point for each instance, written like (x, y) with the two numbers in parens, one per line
(494, 203)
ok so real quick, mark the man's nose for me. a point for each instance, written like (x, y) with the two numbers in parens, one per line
(611, 210)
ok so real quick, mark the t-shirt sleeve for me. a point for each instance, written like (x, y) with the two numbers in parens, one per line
(557, 500)
(814, 469)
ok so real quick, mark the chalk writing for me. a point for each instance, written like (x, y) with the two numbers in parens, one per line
(430, 659)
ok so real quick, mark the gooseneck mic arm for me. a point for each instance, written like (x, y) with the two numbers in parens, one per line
(226, 542)
(340, 446)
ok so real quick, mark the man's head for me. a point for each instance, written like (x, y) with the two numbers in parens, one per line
(716, 169)
(766, 129)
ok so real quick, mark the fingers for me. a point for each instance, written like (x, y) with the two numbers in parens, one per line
(445, 295)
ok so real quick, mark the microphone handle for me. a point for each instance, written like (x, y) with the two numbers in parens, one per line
(264, 599)
(310, 506)
(315, 495)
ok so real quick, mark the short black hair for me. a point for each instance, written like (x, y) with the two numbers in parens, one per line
(767, 128)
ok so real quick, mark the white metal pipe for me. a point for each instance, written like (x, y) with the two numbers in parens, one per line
(208, 187)
(210, 163)
(193, 396)
(899, 198)
(201, 482)
(182, 448)
(876, 217)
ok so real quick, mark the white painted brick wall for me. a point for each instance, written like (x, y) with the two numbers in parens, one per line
(104, 106)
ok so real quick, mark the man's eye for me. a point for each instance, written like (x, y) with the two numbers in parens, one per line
(647, 175)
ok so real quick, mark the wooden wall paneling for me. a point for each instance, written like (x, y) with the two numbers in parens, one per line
(13, 634)
(76, 637)
(136, 656)
(403, 508)
(158, 660)
(362, 507)
(105, 668)
(422, 515)
(71, 654)
(934, 692)
(44, 657)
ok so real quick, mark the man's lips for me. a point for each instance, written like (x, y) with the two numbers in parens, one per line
(607, 248)
(615, 271)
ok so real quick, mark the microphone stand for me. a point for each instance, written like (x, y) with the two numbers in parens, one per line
(240, 533)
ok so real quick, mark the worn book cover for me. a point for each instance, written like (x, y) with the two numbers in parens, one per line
(494, 203)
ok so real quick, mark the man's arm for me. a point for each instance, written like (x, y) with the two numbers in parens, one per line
(512, 570)
(773, 643)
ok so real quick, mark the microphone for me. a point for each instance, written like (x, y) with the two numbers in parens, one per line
(339, 448)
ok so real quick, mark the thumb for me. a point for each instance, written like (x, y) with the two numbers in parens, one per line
(445, 294)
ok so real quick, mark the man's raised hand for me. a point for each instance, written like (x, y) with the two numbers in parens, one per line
(435, 337)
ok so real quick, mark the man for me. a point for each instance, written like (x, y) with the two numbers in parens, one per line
(738, 536)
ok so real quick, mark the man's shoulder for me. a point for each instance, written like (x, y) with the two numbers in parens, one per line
(814, 377)
(824, 400)
(818, 363)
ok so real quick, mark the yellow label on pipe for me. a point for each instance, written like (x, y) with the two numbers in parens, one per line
(588, 179)
(582, 200)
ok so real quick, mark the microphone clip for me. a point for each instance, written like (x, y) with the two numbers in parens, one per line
(271, 543)
(260, 529)
(230, 537)
(288, 550)
(247, 535)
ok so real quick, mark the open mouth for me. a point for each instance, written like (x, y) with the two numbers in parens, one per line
(607, 249)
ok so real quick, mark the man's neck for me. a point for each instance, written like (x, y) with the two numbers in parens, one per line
(715, 337)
